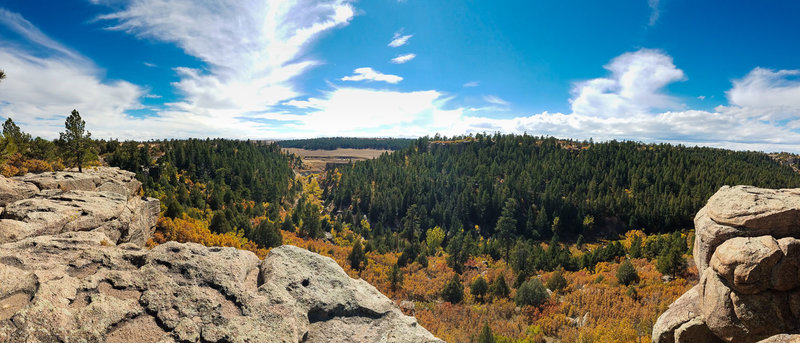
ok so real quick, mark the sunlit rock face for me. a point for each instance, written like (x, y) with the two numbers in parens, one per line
(99, 199)
(748, 253)
(73, 269)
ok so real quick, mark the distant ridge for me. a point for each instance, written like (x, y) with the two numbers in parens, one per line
(333, 143)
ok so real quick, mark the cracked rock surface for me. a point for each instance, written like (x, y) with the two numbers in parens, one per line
(73, 272)
(747, 250)
(99, 199)
(75, 287)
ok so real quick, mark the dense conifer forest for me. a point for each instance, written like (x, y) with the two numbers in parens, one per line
(334, 143)
(227, 181)
(519, 186)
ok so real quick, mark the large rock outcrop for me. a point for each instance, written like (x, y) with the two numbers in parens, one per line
(73, 276)
(99, 199)
(748, 253)
(77, 287)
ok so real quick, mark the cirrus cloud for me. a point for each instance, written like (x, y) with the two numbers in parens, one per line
(400, 59)
(399, 39)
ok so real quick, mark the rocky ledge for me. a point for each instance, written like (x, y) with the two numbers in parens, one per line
(748, 254)
(99, 199)
(76, 273)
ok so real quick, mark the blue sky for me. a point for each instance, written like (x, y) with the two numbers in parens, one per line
(693, 72)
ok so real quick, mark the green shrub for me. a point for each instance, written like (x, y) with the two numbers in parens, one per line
(453, 291)
(626, 274)
(531, 293)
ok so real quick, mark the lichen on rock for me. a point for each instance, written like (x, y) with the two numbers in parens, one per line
(72, 270)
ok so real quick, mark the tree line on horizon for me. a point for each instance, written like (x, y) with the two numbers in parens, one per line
(333, 143)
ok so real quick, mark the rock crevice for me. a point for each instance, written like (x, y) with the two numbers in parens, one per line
(73, 269)
(747, 250)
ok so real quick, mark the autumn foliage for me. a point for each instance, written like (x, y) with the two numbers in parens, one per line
(188, 229)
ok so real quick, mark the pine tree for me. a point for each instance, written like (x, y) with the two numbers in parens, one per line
(268, 235)
(479, 287)
(636, 247)
(357, 257)
(507, 225)
(672, 262)
(453, 291)
(396, 277)
(499, 288)
(287, 224)
(486, 335)
(626, 274)
(174, 209)
(219, 223)
(12, 132)
(76, 140)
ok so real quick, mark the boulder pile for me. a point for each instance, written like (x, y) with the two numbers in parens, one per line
(747, 250)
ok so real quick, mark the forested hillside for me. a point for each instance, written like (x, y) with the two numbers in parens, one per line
(217, 192)
(514, 186)
(332, 143)
(471, 229)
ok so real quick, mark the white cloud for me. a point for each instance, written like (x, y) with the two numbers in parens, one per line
(626, 106)
(496, 100)
(148, 64)
(40, 92)
(654, 11)
(400, 59)
(252, 48)
(766, 88)
(634, 86)
(368, 74)
(248, 83)
(399, 39)
(263, 43)
(24, 28)
(701, 97)
(372, 112)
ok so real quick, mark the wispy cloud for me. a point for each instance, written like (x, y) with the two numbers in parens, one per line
(369, 74)
(403, 58)
(496, 100)
(251, 74)
(399, 39)
(16, 23)
(654, 11)
(471, 84)
(48, 80)
(261, 55)
(148, 64)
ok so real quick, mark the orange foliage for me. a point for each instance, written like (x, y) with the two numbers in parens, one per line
(18, 165)
(593, 307)
(188, 229)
